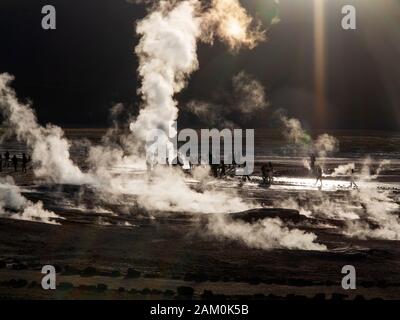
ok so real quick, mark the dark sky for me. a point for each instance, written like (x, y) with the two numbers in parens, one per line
(76, 73)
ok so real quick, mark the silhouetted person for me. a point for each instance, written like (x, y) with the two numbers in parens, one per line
(14, 161)
(270, 173)
(352, 182)
(24, 162)
(312, 161)
(234, 163)
(265, 173)
(223, 169)
(246, 175)
(318, 173)
(7, 158)
(214, 167)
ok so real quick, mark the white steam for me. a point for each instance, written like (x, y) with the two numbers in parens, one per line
(167, 53)
(16, 206)
(247, 98)
(294, 132)
(325, 144)
(249, 94)
(379, 219)
(50, 149)
(343, 169)
(167, 56)
(367, 213)
(228, 21)
(269, 233)
(366, 173)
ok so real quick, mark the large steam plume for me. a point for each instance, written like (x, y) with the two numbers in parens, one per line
(50, 149)
(167, 52)
(167, 56)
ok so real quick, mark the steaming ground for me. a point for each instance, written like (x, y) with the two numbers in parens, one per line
(294, 236)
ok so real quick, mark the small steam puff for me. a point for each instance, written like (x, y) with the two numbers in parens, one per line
(366, 174)
(229, 21)
(325, 144)
(294, 132)
(343, 169)
(267, 234)
(50, 150)
(248, 97)
(249, 93)
(12, 201)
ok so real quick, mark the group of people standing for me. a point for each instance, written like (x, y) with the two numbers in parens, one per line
(7, 161)
(218, 170)
(221, 170)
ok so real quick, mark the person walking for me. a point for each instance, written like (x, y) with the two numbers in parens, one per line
(318, 173)
(352, 179)
(312, 162)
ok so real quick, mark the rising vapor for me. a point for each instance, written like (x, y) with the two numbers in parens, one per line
(167, 53)
(294, 132)
(247, 98)
(49, 147)
(14, 205)
(267, 234)
(228, 21)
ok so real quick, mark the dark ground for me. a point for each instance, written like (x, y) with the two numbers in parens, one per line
(194, 257)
